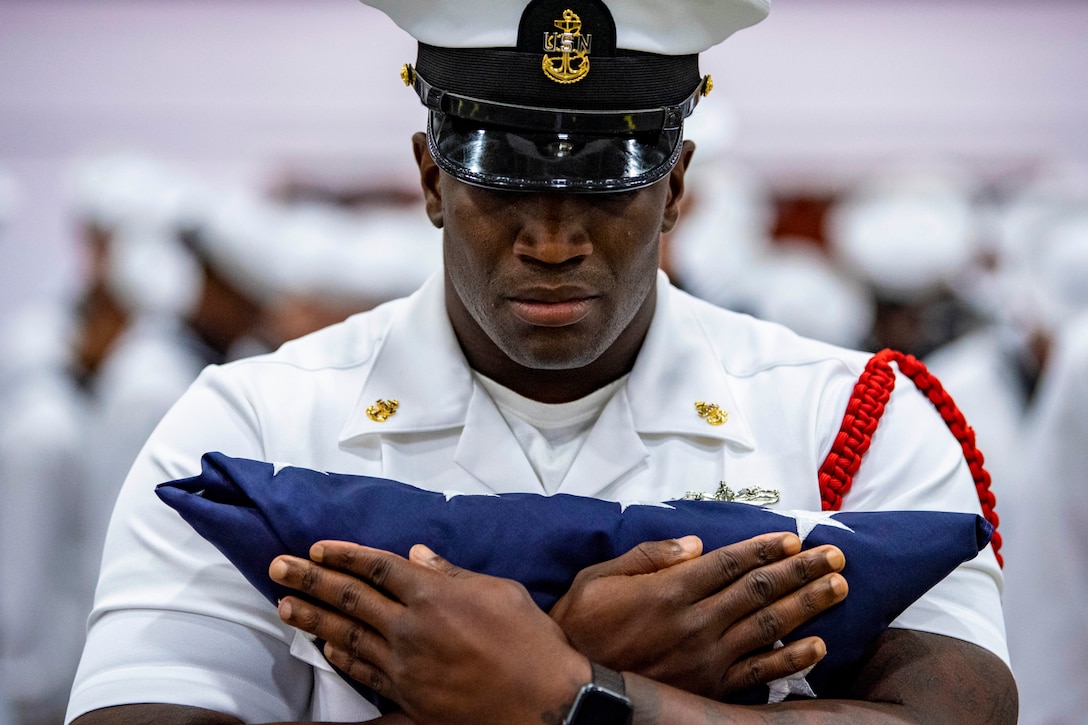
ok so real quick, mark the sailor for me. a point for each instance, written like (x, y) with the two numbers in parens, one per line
(549, 355)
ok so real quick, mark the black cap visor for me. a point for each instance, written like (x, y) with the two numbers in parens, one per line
(516, 159)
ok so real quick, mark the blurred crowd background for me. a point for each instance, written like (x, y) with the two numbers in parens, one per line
(186, 183)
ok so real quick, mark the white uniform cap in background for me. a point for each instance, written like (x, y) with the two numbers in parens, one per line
(1051, 191)
(796, 285)
(722, 235)
(398, 248)
(298, 247)
(151, 272)
(370, 256)
(908, 233)
(112, 191)
(714, 131)
(239, 240)
(1059, 270)
(1019, 227)
(668, 27)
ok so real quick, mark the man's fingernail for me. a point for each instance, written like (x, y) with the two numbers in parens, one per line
(317, 553)
(689, 544)
(285, 609)
(836, 559)
(278, 569)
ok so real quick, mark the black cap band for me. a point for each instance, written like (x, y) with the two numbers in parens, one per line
(506, 75)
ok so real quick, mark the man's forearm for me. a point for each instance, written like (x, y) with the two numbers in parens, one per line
(657, 704)
(909, 677)
(163, 714)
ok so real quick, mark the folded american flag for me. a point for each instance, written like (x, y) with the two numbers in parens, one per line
(254, 511)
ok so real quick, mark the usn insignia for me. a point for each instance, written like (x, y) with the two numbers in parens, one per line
(571, 62)
(382, 410)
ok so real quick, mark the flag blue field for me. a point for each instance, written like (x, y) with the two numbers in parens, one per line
(254, 511)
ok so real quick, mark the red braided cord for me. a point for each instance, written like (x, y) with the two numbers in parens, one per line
(863, 412)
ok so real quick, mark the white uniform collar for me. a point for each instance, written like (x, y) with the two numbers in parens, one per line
(420, 364)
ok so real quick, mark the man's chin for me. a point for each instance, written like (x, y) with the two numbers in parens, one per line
(553, 356)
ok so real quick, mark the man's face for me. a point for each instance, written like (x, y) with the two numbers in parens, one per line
(552, 280)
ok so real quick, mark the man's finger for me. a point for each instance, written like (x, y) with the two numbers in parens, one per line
(717, 570)
(344, 592)
(360, 670)
(763, 668)
(647, 557)
(761, 588)
(383, 570)
(423, 554)
(342, 632)
(773, 622)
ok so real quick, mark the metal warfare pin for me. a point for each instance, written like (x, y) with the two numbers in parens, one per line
(753, 495)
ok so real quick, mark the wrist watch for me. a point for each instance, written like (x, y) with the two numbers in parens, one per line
(601, 702)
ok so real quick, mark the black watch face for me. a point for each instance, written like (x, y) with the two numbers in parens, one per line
(601, 707)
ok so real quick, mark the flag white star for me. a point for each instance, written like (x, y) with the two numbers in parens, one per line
(454, 494)
(794, 684)
(624, 505)
(808, 520)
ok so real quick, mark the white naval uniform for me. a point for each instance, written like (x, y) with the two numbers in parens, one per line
(148, 368)
(1047, 542)
(981, 371)
(175, 622)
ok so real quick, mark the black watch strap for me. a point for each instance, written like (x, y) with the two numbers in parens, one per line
(601, 702)
(607, 679)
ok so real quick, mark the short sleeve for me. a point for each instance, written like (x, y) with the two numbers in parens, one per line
(915, 462)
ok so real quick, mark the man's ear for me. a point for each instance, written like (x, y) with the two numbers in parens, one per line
(676, 187)
(429, 178)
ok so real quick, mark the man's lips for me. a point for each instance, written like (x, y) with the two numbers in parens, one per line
(552, 308)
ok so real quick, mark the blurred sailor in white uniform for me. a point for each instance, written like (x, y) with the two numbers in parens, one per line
(1032, 284)
(725, 227)
(42, 414)
(1046, 516)
(186, 302)
(908, 232)
(336, 262)
(797, 285)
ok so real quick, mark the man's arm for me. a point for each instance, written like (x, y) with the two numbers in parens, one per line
(909, 677)
(453, 646)
(162, 714)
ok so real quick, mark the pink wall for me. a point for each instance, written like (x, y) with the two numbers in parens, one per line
(240, 88)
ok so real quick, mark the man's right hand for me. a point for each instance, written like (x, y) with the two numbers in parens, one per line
(705, 624)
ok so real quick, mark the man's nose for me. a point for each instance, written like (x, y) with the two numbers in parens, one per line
(553, 229)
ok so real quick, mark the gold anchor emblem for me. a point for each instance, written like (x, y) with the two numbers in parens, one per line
(572, 63)
(711, 413)
(382, 410)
